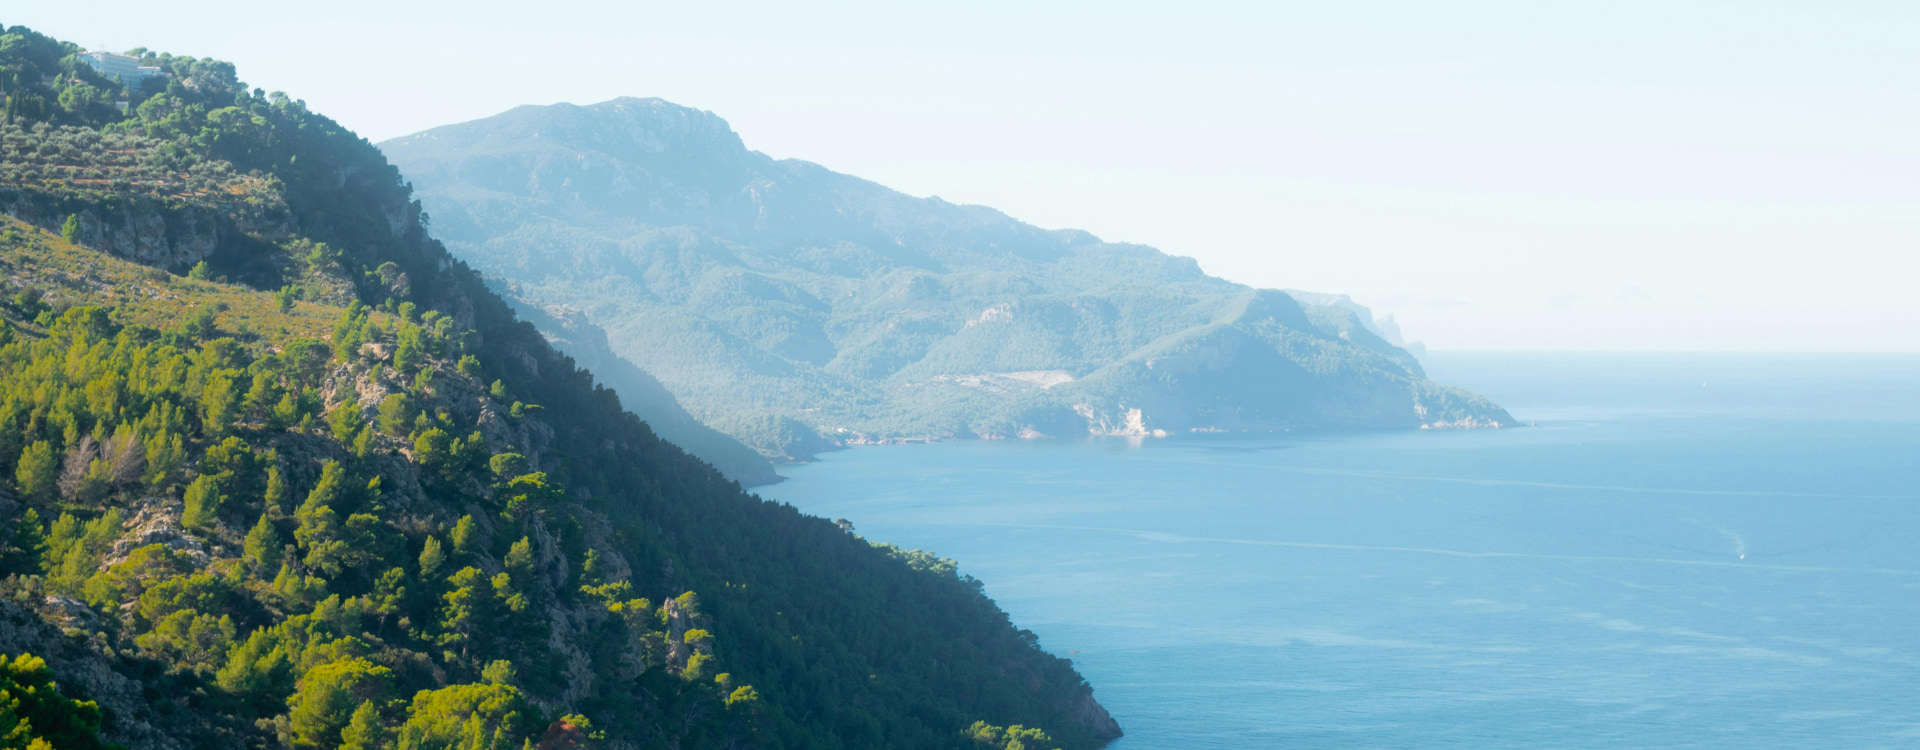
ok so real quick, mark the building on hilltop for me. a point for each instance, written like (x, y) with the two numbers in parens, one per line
(123, 68)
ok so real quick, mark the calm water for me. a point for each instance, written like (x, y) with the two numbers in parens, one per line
(1686, 551)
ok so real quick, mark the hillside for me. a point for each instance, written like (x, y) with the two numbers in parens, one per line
(587, 345)
(277, 471)
(796, 308)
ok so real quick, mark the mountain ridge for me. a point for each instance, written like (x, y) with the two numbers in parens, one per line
(794, 307)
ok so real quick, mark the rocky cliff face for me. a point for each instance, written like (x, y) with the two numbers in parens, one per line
(173, 237)
(1091, 714)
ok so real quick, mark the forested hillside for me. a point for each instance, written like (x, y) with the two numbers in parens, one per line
(276, 471)
(797, 308)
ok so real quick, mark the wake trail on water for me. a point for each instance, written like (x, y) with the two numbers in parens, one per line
(1562, 486)
(1161, 536)
(1739, 542)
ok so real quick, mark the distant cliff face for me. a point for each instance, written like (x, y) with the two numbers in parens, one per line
(795, 308)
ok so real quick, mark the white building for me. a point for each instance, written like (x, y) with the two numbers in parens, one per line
(123, 68)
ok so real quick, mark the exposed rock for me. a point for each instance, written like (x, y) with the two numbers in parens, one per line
(69, 612)
(1131, 422)
(86, 672)
(1089, 713)
(679, 621)
(164, 233)
(156, 522)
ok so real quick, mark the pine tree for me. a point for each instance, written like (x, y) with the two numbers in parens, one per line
(507, 466)
(203, 500)
(321, 532)
(330, 488)
(38, 473)
(277, 494)
(431, 558)
(263, 394)
(519, 561)
(465, 535)
(220, 404)
(432, 448)
(396, 414)
(364, 731)
(166, 452)
(23, 545)
(468, 605)
(411, 350)
(297, 591)
(263, 547)
(345, 422)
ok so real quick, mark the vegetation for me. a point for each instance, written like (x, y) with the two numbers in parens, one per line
(36, 715)
(1015, 737)
(82, 162)
(312, 485)
(797, 309)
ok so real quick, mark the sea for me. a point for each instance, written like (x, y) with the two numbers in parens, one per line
(1673, 551)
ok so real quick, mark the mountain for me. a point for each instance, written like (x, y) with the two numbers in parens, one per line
(797, 308)
(276, 470)
(1386, 328)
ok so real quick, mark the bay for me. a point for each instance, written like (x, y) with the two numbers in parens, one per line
(1680, 551)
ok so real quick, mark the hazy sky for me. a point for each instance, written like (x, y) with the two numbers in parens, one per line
(1501, 175)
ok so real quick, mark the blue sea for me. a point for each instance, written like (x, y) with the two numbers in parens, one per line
(1681, 551)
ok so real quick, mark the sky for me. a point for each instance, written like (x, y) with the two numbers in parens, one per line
(1499, 175)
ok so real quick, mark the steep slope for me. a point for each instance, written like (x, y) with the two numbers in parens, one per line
(794, 307)
(570, 333)
(326, 490)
